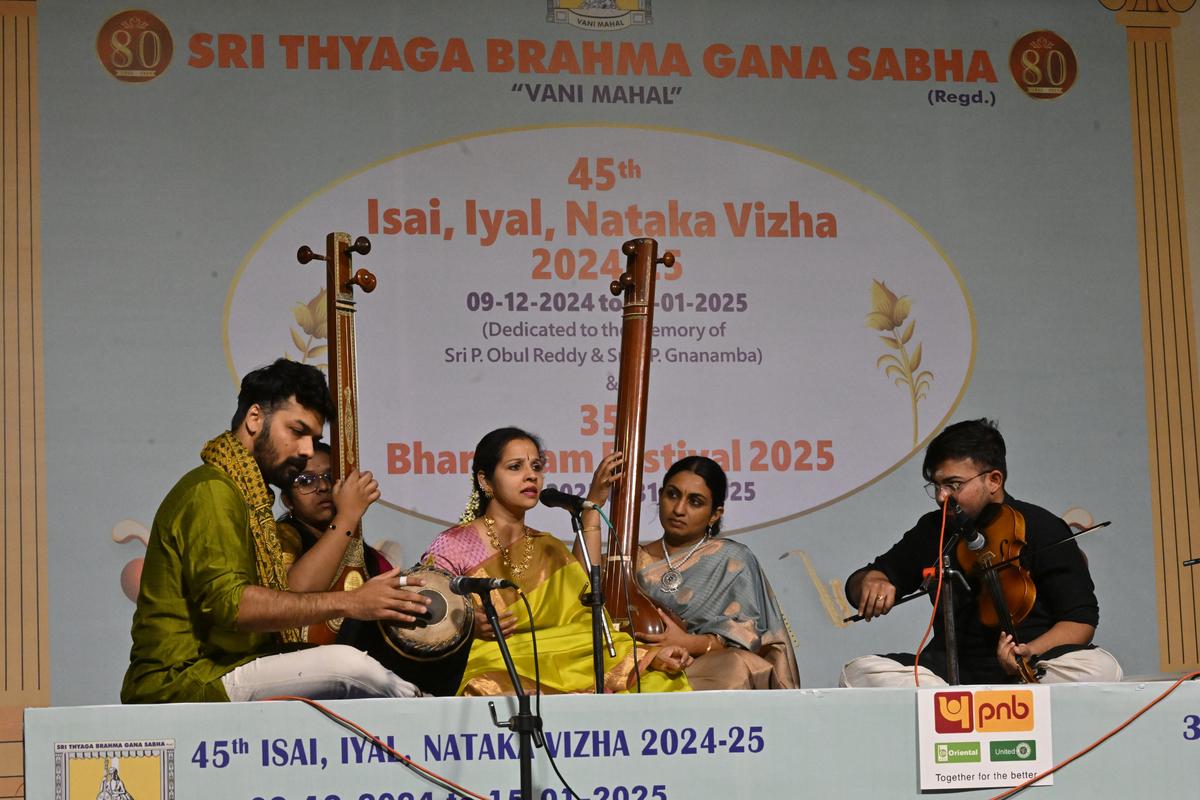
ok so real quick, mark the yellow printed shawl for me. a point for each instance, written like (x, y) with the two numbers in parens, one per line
(227, 454)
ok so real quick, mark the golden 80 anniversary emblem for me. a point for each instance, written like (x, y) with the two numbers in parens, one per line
(134, 46)
(1043, 65)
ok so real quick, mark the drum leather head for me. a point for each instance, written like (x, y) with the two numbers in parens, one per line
(436, 610)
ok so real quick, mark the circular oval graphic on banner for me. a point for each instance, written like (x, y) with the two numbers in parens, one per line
(809, 336)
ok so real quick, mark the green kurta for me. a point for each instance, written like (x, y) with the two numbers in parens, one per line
(199, 560)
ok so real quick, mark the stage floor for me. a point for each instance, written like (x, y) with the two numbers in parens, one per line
(803, 743)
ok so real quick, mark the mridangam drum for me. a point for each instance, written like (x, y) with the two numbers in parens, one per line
(444, 628)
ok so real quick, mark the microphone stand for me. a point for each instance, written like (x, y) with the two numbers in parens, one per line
(595, 600)
(527, 726)
(948, 622)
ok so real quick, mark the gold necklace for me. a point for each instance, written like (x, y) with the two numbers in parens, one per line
(516, 570)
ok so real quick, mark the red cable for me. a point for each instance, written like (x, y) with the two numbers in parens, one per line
(1023, 786)
(381, 744)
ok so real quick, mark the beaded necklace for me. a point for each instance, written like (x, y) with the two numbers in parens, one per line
(670, 580)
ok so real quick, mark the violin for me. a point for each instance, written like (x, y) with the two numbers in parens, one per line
(1008, 590)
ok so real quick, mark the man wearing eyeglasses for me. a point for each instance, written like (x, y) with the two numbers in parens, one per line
(215, 619)
(966, 468)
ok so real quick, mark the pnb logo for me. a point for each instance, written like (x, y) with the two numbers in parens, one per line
(952, 712)
(986, 712)
(1004, 711)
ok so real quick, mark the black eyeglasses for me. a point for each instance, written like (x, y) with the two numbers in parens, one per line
(953, 486)
(309, 482)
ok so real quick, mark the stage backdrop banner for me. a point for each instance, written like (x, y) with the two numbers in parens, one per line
(886, 217)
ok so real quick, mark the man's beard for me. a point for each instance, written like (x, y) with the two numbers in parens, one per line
(276, 471)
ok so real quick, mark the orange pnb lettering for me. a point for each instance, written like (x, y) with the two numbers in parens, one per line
(1004, 711)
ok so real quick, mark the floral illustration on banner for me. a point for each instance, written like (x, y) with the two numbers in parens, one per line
(888, 314)
(311, 317)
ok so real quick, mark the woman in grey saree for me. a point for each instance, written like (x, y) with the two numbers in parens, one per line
(717, 602)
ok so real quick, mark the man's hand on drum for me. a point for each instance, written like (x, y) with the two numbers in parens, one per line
(483, 628)
(388, 596)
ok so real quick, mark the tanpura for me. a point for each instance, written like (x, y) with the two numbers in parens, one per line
(343, 389)
(626, 603)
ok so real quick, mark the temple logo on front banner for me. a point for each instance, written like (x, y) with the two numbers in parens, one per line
(599, 15)
(117, 770)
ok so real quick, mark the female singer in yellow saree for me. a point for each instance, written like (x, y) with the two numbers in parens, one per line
(493, 541)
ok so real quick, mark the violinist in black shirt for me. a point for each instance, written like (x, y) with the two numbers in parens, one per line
(965, 465)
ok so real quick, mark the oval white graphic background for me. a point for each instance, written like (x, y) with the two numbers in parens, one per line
(810, 337)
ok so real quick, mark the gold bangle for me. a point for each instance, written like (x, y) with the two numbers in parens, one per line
(712, 642)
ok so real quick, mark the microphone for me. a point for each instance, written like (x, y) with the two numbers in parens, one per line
(461, 584)
(975, 540)
(553, 498)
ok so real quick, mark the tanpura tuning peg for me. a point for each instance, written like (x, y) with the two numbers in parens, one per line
(305, 255)
(668, 259)
(621, 284)
(364, 279)
(362, 246)
(630, 247)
